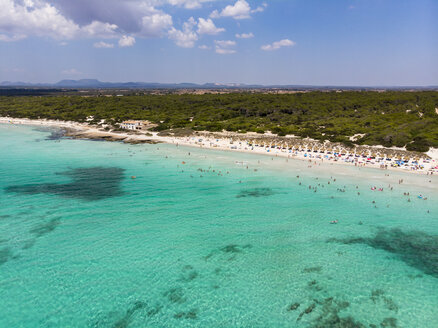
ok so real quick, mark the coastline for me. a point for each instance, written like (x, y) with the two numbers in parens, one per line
(425, 164)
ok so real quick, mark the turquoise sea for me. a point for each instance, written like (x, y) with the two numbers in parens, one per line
(203, 238)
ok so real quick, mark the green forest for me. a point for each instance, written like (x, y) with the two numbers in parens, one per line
(390, 118)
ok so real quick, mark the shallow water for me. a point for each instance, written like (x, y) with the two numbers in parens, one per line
(208, 243)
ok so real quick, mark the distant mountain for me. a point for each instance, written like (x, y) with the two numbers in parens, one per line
(93, 83)
(96, 84)
(84, 83)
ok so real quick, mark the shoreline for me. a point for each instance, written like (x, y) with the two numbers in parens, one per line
(247, 144)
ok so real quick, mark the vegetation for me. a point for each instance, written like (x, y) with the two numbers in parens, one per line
(391, 118)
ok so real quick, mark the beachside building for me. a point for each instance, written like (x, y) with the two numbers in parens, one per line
(132, 125)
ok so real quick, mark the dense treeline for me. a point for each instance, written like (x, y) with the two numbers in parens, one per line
(389, 118)
(30, 92)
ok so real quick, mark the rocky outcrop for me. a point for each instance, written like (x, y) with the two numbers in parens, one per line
(106, 136)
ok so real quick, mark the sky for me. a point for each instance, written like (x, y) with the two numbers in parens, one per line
(288, 42)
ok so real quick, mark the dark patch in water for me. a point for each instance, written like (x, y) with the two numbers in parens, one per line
(175, 295)
(415, 276)
(188, 274)
(90, 184)
(378, 295)
(293, 306)
(336, 321)
(207, 257)
(389, 322)
(45, 228)
(314, 285)
(6, 216)
(192, 314)
(231, 249)
(154, 310)
(308, 310)
(5, 255)
(119, 319)
(313, 269)
(329, 316)
(28, 244)
(417, 249)
(126, 320)
(390, 304)
(256, 192)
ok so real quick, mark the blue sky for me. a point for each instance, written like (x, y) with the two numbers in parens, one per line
(313, 42)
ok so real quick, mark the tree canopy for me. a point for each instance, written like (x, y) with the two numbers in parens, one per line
(391, 118)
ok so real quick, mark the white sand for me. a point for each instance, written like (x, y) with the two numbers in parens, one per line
(227, 143)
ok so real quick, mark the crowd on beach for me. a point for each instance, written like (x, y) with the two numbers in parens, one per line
(268, 144)
(360, 157)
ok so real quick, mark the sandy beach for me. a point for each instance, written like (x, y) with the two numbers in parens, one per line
(362, 157)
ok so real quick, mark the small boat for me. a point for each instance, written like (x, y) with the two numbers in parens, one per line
(334, 222)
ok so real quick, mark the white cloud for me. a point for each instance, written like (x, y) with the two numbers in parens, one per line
(186, 37)
(278, 44)
(34, 18)
(71, 71)
(224, 47)
(245, 36)
(105, 20)
(215, 14)
(260, 9)
(126, 41)
(204, 47)
(225, 43)
(103, 45)
(222, 51)
(206, 26)
(92, 19)
(100, 30)
(188, 4)
(155, 23)
(38, 18)
(240, 10)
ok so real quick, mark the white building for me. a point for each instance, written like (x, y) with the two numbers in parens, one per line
(132, 125)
